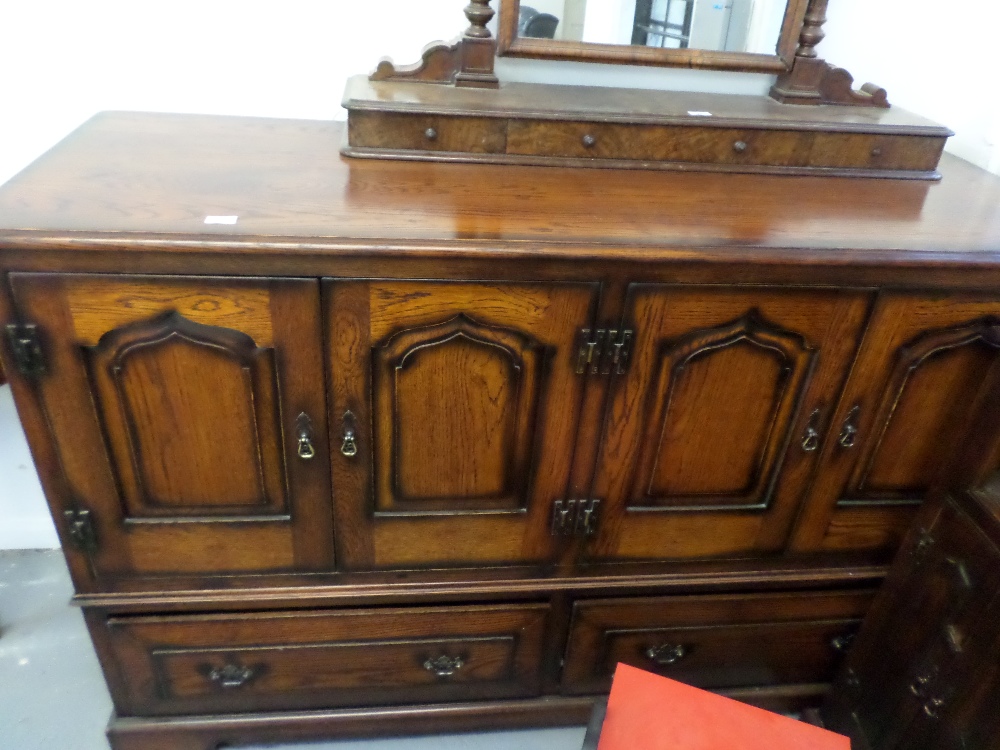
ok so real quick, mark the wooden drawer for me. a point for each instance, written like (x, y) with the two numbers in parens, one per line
(477, 135)
(703, 145)
(713, 641)
(292, 660)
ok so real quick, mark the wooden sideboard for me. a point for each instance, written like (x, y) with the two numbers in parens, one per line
(398, 447)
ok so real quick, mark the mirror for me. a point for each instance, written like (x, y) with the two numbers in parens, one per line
(725, 34)
(721, 25)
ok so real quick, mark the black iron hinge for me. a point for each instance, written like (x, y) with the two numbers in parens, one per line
(603, 351)
(26, 346)
(575, 517)
(80, 529)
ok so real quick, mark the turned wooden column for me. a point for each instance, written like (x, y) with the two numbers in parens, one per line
(478, 48)
(812, 29)
(812, 80)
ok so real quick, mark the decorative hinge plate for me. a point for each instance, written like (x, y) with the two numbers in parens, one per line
(80, 528)
(26, 346)
(575, 517)
(603, 351)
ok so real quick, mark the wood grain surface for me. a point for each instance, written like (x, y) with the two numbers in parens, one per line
(163, 174)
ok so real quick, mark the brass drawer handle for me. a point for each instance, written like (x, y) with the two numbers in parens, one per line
(810, 438)
(740, 146)
(444, 666)
(667, 653)
(431, 134)
(303, 428)
(349, 447)
(849, 432)
(231, 676)
(589, 141)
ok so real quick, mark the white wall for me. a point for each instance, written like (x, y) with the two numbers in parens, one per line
(64, 60)
(936, 59)
(603, 22)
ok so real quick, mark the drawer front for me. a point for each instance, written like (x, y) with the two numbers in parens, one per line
(273, 661)
(477, 135)
(702, 145)
(713, 641)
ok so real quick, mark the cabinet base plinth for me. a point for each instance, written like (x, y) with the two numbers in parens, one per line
(218, 731)
(211, 732)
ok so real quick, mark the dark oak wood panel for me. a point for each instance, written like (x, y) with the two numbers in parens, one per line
(473, 448)
(705, 451)
(467, 435)
(900, 413)
(744, 377)
(194, 478)
(287, 660)
(170, 435)
(713, 641)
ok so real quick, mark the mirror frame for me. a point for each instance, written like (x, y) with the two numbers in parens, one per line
(509, 44)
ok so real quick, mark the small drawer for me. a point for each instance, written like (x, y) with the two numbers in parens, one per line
(476, 135)
(666, 143)
(713, 641)
(713, 145)
(869, 151)
(294, 660)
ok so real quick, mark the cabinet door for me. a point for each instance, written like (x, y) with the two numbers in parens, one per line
(923, 639)
(712, 432)
(176, 407)
(921, 363)
(454, 416)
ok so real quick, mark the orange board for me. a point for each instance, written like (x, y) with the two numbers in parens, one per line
(650, 712)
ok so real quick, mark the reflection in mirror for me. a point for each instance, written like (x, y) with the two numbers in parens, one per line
(723, 25)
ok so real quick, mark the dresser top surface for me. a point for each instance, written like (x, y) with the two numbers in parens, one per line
(138, 174)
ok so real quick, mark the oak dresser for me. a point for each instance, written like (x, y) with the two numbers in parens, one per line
(340, 447)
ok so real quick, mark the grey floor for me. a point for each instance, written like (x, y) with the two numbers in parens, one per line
(52, 694)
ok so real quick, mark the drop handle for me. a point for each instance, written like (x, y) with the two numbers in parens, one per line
(666, 653)
(349, 447)
(304, 431)
(444, 666)
(810, 438)
(231, 675)
(849, 432)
